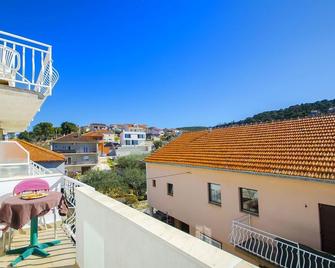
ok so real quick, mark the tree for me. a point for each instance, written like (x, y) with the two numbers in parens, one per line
(136, 179)
(158, 144)
(106, 182)
(43, 131)
(27, 136)
(131, 161)
(68, 127)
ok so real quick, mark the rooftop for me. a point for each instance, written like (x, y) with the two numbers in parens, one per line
(301, 147)
(40, 154)
(75, 137)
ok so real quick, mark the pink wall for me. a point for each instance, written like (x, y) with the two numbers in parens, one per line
(287, 207)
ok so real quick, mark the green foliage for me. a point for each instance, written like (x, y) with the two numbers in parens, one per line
(194, 128)
(127, 181)
(131, 161)
(68, 127)
(136, 180)
(292, 112)
(43, 131)
(106, 182)
(27, 136)
(158, 144)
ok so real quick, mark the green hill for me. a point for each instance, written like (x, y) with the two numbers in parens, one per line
(296, 111)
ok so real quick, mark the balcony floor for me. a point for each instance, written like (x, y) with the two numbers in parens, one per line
(62, 255)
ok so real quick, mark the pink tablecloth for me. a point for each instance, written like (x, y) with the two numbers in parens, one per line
(16, 212)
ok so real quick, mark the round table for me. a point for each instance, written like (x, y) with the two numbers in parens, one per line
(16, 212)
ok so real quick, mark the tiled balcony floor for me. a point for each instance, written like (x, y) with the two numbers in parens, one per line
(62, 255)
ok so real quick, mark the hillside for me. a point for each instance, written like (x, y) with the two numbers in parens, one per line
(292, 112)
(194, 128)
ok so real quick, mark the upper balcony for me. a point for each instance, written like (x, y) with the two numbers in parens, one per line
(105, 232)
(27, 77)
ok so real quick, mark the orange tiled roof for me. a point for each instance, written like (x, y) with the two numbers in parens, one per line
(300, 147)
(40, 154)
(97, 133)
(75, 137)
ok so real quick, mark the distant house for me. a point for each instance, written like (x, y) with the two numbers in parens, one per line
(132, 138)
(97, 126)
(253, 185)
(44, 157)
(104, 138)
(154, 133)
(81, 152)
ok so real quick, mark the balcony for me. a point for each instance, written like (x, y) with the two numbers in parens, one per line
(102, 232)
(275, 249)
(27, 78)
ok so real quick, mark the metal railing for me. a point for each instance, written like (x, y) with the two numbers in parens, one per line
(27, 64)
(36, 169)
(67, 187)
(275, 249)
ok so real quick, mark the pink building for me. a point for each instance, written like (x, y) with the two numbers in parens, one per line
(268, 189)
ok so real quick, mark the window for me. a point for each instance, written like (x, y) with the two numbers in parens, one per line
(127, 136)
(170, 189)
(134, 142)
(127, 142)
(210, 240)
(249, 200)
(140, 136)
(214, 193)
(153, 183)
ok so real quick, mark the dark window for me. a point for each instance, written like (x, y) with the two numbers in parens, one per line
(249, 200)
(153, 183)
(127, 136)
(214, 193)
(210, 240)
(140, 136)
(134, 142)
(127, 142)
(170, 189)
(184, 227)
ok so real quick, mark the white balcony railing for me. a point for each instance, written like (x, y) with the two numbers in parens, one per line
(27, 64)
(36, 169)
(275, 249)
(67, 186)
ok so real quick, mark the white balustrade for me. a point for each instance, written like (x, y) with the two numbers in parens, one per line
(275, 249)
(27, 64)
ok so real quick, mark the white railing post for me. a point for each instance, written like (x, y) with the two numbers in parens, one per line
(275, 249)
(50, 71)
(39, 76)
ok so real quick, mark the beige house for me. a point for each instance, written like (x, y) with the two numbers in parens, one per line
(268, 189)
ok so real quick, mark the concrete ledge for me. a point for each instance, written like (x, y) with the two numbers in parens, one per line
(128, 237)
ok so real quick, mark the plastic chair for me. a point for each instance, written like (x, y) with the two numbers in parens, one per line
(34, 185)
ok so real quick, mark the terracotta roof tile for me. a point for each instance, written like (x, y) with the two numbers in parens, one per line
(301, 147)
(40, 154)
(75, 137)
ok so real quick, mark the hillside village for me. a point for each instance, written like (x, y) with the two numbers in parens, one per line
(256, 192)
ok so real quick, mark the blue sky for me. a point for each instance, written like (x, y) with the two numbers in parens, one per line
(179, 63)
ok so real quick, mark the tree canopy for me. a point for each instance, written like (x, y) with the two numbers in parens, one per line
(296, 111)
(68, 127)
(126, 181)
(45, 131)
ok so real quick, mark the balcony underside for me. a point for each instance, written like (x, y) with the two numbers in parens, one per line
(17, 108)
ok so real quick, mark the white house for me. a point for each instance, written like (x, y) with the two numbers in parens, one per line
(133, 138)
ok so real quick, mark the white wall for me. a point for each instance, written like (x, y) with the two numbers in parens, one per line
(111, 234)
(133, 137)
